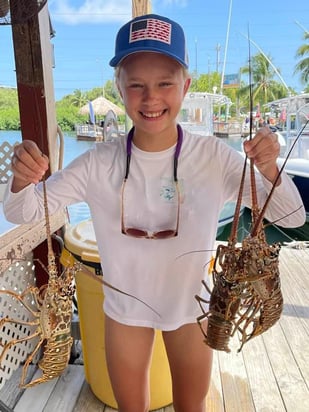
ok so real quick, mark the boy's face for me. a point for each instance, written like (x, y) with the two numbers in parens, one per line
(152, 87)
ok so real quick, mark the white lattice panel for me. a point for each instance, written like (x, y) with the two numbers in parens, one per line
(16, 278)
(6, 153)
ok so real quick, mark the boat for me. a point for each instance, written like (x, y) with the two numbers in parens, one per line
(197, 113)
(107, 132)
(295, 110)
(89, 132)
(95, 130)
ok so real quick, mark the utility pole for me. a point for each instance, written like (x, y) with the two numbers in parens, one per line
(195, 74)
(218, 48)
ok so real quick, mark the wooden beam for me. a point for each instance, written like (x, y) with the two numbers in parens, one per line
(33, 60)
(140, 7)
(34, 64)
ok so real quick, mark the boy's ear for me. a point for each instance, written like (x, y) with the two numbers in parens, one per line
(119, 91)
(118, 88)
(187, 85)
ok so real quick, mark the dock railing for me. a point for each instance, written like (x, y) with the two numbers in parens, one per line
(225, 129)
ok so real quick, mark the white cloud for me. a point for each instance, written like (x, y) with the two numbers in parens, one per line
(90, 11)
(100, 11)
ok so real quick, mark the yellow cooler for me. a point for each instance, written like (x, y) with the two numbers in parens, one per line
(80, 241)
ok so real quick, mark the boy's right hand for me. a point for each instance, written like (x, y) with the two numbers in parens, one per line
(29, 165)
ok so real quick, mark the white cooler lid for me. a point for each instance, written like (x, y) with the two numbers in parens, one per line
(80, 240)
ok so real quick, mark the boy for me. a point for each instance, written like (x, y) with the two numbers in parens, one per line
(153, 195)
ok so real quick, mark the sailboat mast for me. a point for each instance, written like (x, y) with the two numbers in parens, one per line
(226, 45)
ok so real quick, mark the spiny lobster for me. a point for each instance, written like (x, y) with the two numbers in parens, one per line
(51, 317)
(51, 314)
(246, 295)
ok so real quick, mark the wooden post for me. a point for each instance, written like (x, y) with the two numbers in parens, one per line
(34, 61)
(140, 7)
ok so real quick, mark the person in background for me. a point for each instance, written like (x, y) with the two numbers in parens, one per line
(154, 195)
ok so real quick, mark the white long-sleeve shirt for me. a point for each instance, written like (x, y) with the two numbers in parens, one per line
(160, 272)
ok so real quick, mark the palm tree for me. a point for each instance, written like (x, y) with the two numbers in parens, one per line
(303, 65)
(78, 98)
(264, 87)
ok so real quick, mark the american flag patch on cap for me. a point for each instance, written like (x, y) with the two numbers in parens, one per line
(150, 29)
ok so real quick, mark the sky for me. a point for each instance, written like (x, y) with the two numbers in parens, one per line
(216, 32)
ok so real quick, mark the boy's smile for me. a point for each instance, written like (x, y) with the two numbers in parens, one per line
(153, 86)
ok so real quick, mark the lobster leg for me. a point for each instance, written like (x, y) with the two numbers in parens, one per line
(26, 366)
(31, 291)
(13, 342)
(245, 337)
(18, 322)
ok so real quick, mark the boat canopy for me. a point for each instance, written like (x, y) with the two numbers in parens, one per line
(197, 111)
(294, 111)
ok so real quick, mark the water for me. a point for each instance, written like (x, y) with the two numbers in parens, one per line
(72, 146)
(79, 212)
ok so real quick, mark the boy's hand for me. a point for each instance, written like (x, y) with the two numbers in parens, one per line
(264, 150)
(29, 165)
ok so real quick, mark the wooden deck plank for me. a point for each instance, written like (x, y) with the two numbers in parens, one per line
(296, 267)
(34, 399)
(87, 401)
(286, 371)
(287, 352)
(296, 262)
(295, 318)
(56, 395)
(67, 389)
(295, 285)
(236, 390)
(297, 339)
(11, 392)
(265, 393)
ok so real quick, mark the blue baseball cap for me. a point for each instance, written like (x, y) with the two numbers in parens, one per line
(151, 33)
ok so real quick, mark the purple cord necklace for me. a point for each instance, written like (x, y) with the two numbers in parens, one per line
(176, 155)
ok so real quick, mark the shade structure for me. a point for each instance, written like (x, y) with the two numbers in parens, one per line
(101, 106)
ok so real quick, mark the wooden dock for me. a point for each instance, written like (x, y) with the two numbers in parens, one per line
(270, 374)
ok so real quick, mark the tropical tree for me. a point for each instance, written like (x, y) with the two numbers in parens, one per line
(302, 66)
(206, 83)
(9, 111)
(93, 93)
(8, 97)
(78, 98)
(264, 87)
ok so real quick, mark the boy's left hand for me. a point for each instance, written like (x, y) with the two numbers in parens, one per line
(264, 150)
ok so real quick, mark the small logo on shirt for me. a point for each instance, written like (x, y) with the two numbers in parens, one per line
(168, 191)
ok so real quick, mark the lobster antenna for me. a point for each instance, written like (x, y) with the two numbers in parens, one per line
(273, 222)
(233, 235)
(250, 89)
(254, 203)
(259, 220)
